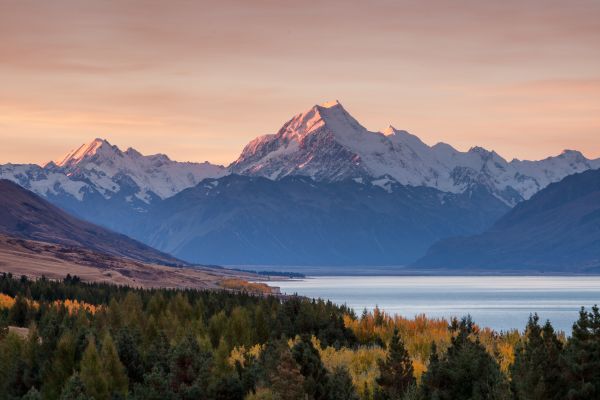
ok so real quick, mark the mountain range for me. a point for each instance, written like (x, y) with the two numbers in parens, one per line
(376, 198)
(558, 229)
(328, 144)
(295, 220)
(38, 239)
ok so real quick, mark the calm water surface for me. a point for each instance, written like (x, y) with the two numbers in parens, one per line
(500, 302)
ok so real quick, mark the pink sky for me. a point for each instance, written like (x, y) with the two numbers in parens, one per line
(198, 80)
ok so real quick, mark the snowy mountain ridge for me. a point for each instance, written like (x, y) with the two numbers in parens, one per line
(103, 168)
(324, 143)
(327, 143)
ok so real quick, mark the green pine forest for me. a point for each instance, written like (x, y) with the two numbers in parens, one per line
(74, 340)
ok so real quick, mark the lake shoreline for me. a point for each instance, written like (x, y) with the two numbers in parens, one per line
(499, 302)
(322, 271)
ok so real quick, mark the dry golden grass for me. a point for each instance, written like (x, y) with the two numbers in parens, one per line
(245, 286)
(34, 259)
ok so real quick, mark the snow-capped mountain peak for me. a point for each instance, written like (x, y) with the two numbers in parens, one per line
(327, 143)
(98, 167)
(85, 151)
(331, 115)
(112, 171)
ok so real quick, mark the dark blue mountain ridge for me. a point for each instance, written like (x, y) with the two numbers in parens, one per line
(245, 220)
(557, 230)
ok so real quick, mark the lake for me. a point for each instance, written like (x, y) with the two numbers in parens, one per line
(499, 302)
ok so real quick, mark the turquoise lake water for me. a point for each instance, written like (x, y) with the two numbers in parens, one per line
(499, 302)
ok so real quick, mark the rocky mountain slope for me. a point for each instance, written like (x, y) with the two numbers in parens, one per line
(23, 214)
(296, 221)
(558, 229)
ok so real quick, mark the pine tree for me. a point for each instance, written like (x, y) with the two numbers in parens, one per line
(465, 372)
(554, 371)
(92, 373)
(155, 387)
(341, 386)
(19, 313)
(130, 355)
(396, 373)
(74, 389)
(112, 368)
(286, 381)
(189, 367)
(582, 357)
(311, 367)
(62, 367)
(536, 370)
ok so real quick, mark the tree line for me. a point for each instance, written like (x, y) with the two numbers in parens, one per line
(101, 341)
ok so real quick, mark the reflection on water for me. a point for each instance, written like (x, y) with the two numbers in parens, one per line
(500, 302)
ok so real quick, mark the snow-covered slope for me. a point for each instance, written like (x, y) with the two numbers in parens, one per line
(109, 169)
(42, 181)
(101, 168)
(327, 143)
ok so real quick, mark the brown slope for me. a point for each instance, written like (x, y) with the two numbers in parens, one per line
(26, 215)
(54, 261)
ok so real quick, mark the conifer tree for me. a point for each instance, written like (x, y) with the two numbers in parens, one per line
(130, 355)
(286, 381)
(92, 373)
(316, 378)
(30, 365)
(536, 370)
(466, 371)
(155, 386)
(74, 389)
(19, 312)
(582, 357)
(189, 367)
(341, 386)
(112, 368)
(62, 367)
(396, 373)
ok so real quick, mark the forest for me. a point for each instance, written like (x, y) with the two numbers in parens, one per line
(74, 340)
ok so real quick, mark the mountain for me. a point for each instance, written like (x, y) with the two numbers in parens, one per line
(110, 170)
(104, 185)
(25, 215)
(328, 144)
(558, 229)
(379, 197)
(298, 221)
